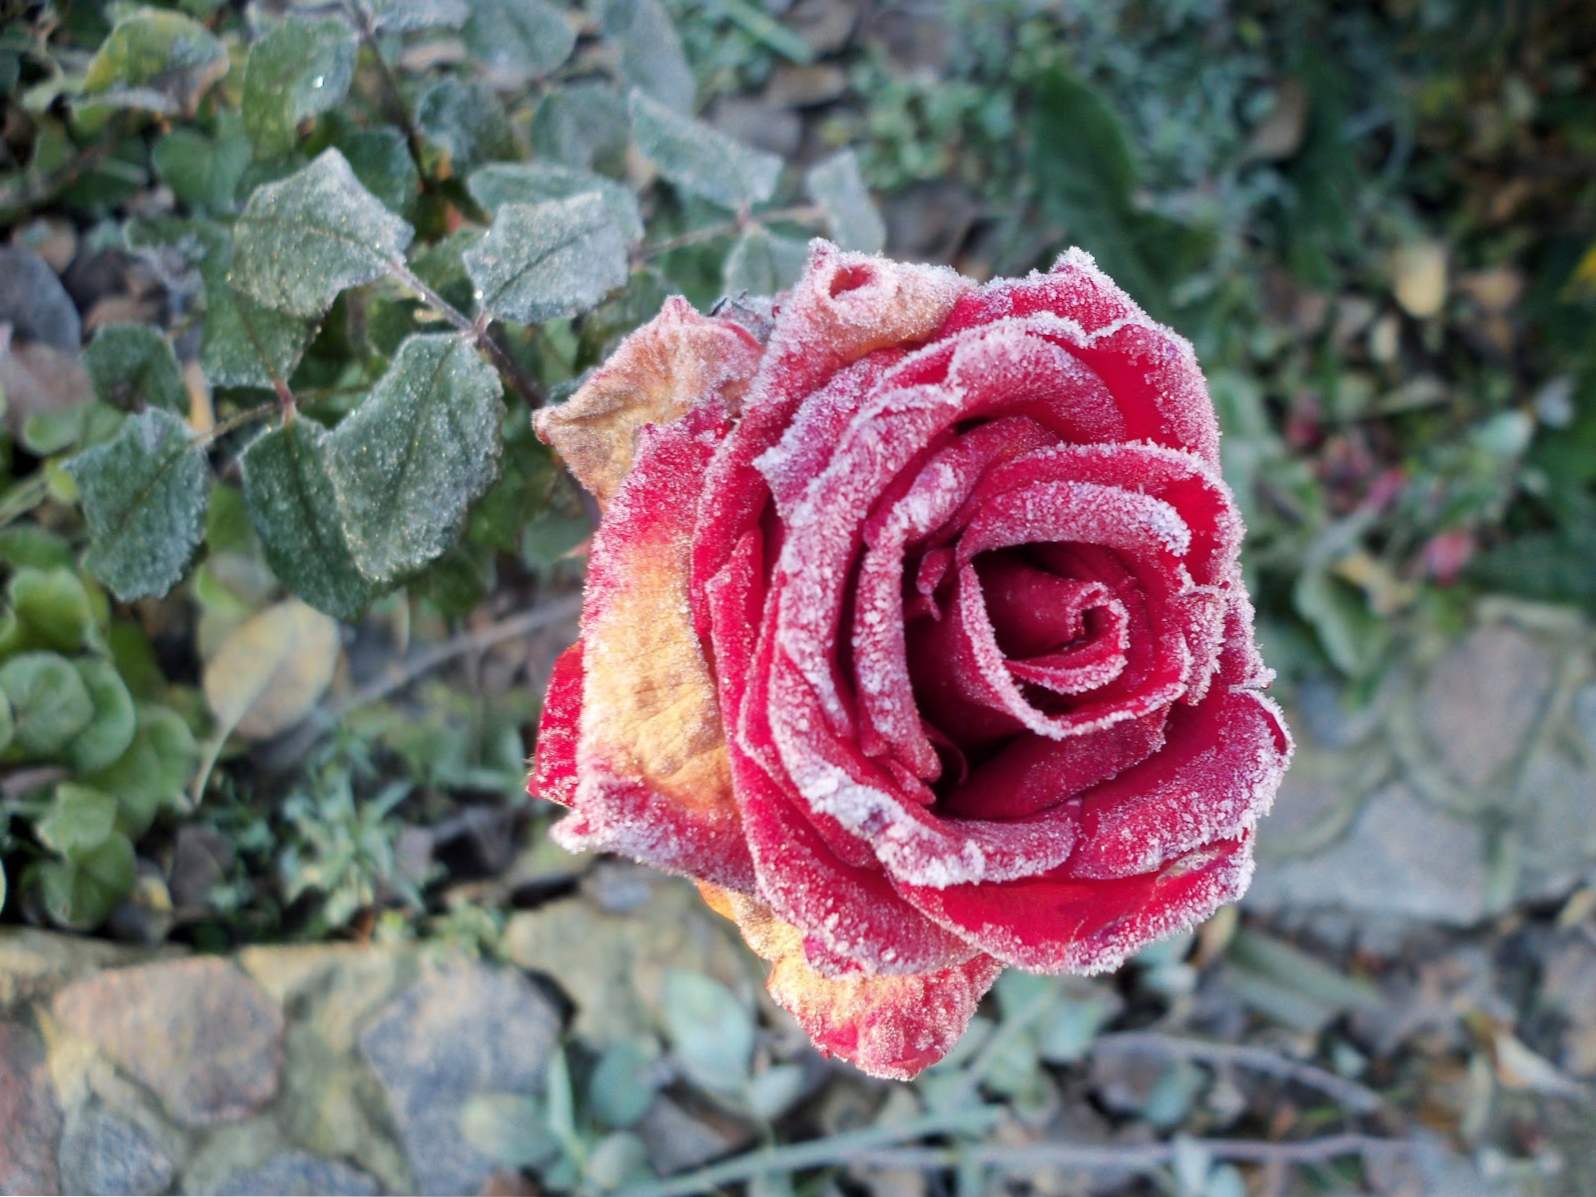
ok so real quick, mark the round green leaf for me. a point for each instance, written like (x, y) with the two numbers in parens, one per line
(110, 732)
(54, 607)
(508, 1128)
(80, 890)
(153, 770)
(79, 818)
(712, 1031)
(50, 703)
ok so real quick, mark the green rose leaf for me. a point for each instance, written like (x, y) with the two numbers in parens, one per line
(381, 161)
(546, 261)
(650, 52)
(298, 70)
(518, 40)
(465, 124)
(500, 183)
(53, 607)
(204, 171)
(49, 702)
(292, 505)
(851, 215)
(110, 731)
(244, 343)
(406, 16)
(509, 1128)
(412, 458)
(155, 60)
(143, 497)
(132, 365)
(700, 160)
(78, 819)
(81, 890)
(763, 263)
(302, 240)
(581, 125)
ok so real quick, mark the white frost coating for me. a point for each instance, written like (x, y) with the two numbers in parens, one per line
(914, 845)
(1082, 512)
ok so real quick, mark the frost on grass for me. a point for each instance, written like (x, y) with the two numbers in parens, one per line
(144, 494)
(700, 160)
(545, 261)
(500, 183)
(302, 240)
(289, 495)
(298, 70)
(414, 456)
(838, 187)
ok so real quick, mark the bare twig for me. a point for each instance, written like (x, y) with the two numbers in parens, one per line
(837, 1149)
(1134, 1157)
(1255, 1059)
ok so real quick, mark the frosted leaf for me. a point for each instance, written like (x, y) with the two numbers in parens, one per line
(292, 505)
(144, 495)
(763, 263)
(243, 344)
(299, 69)
(302, 240)
(415, 454)
(851, 215)
(700, 160)
(465, 123)
(650, 52)
(406, 16)
(382, 162)
(518, 40)
(545, 261)
(133, 366)
(158, 61)
(501, 183)
(582, 125)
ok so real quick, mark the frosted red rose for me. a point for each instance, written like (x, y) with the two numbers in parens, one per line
(914, 632)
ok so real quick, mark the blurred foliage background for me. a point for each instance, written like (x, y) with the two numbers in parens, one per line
(254, 689)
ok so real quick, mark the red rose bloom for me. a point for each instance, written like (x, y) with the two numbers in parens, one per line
(914, 632)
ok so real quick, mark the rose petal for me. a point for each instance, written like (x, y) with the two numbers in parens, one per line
(1060, 923)
(676, 361)
(892, 1027)
(654, 781)
(559, 730)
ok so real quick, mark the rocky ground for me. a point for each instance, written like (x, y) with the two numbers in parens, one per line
(1427, 858)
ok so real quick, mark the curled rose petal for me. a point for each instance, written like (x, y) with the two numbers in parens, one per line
(673, 363)
(915, 631)
(890, 1026)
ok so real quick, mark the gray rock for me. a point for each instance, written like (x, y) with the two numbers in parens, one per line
(1401, 857)
(295, 1172)
(1481, 700)
(30, 1120)
(198, 1032)
(102, 1152)
(34, 303)
(458, 1032)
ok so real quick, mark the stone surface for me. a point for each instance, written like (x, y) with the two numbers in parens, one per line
(1481, 700)
(102, 1152)
(198, 1032)
(29, 1118)
(295, 1172)
(613, 966)
(463, 1029)
(1401, 856)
